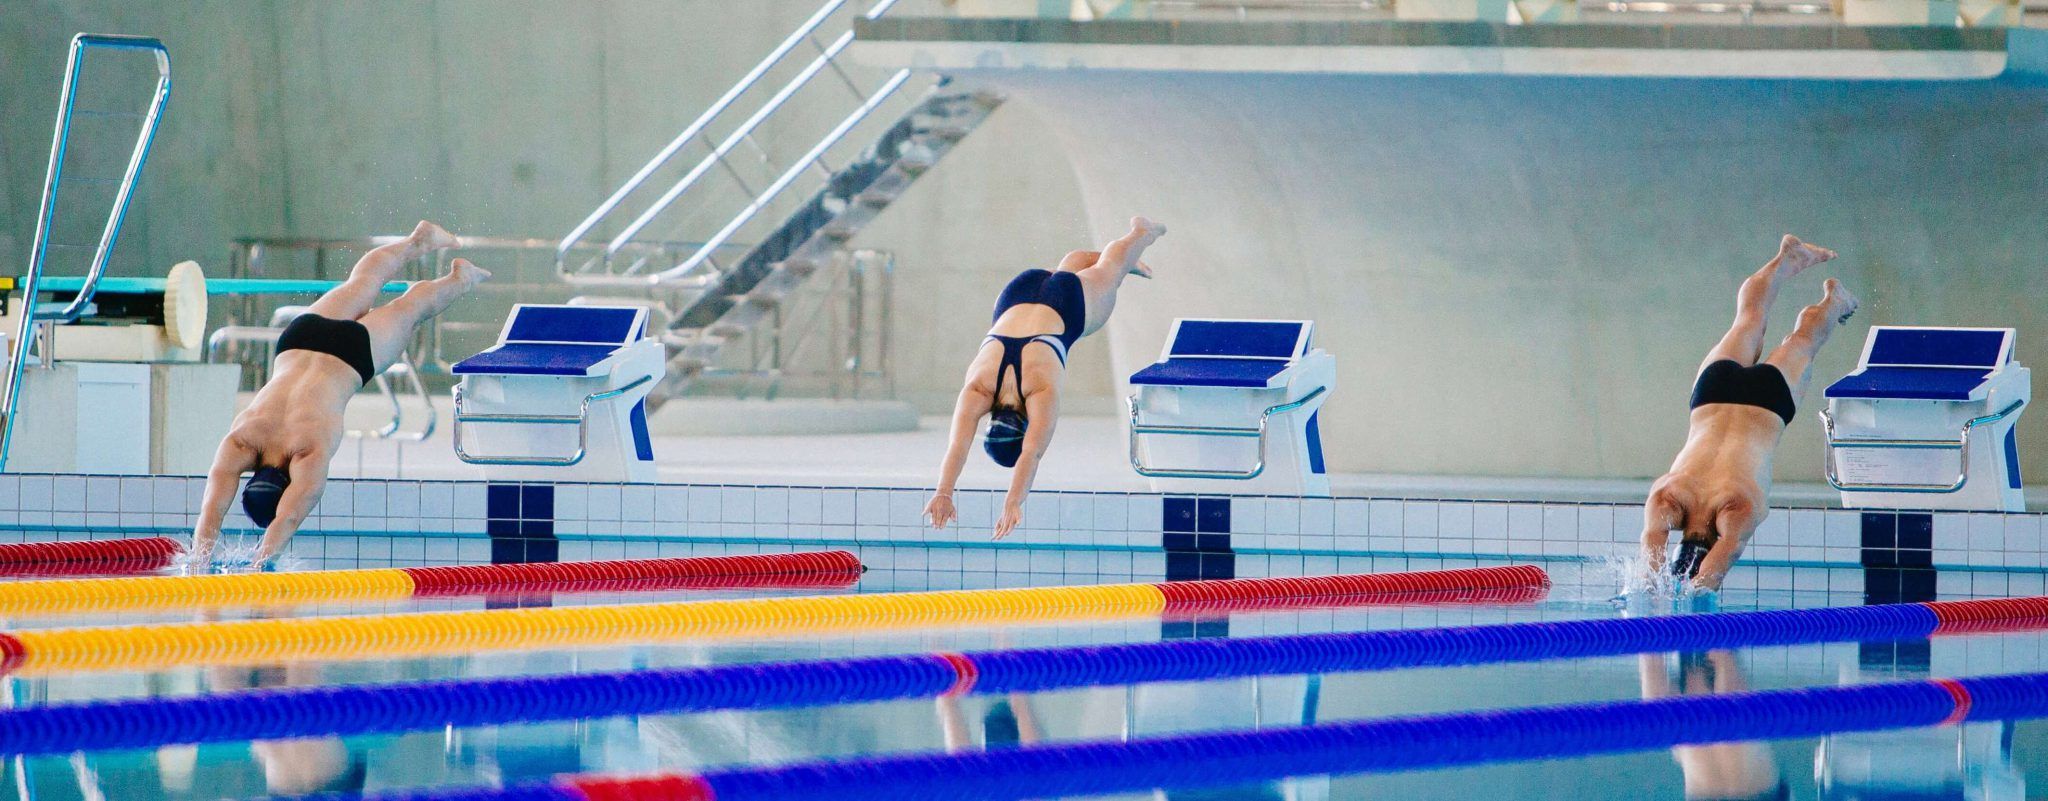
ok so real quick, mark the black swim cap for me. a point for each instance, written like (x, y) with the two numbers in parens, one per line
(1005, 439)
(261, 494)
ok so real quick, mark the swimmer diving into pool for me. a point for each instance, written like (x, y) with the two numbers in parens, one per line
(291, 429)
(1717, 490)
(1014, 379)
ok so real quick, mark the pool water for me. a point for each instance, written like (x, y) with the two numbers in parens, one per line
(1977, 760)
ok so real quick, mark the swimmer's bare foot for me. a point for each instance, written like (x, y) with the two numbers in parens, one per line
(1839, 301)
(1141, 269)
(1146, 231)
(466, 273)
(1795, 256)
(427, 237)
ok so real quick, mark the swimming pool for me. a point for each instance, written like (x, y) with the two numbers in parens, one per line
(1978, 759)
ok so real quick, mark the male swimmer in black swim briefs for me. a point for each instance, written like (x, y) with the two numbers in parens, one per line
(291, 429)
(1717, 490)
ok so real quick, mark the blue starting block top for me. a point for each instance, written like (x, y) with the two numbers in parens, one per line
(1227, 353)
(536, 358)
(1944, 364)
(557, 340)
(1910, 383)
(1210, 373)
(114, 285)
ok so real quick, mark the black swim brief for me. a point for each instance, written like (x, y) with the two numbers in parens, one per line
(346, 340)
(1759, 385)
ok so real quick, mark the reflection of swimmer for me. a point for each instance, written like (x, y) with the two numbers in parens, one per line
(1009, 722)
(290, 431)
(299, 766)
(1015, 384)
(1721, 770)
(1717, 488)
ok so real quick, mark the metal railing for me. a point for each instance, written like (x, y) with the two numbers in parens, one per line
(31, 314)
(581, 420)
(832, 335)
(1251, 432)
(701, 265)
(1960, 444)
(523, 270)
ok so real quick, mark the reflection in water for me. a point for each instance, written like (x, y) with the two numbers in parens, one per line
(300, 766)
(1721, 770)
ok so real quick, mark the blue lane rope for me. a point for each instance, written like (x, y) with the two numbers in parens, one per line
(391, 708)
(1225, 759)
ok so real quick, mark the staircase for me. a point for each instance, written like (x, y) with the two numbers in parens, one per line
(714, 292)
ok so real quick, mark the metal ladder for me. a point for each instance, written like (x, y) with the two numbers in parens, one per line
(714, 296)
(25, 338)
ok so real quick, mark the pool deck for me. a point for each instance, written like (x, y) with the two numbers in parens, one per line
(1088, 455)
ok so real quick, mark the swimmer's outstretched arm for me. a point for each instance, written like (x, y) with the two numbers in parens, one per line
(229, 462)
(967, 413)
(309, 477)
(1042, 410)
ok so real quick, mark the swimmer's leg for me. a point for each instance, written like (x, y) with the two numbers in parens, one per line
(358, 293)
(1744, 342)
(392, 324)
(1118, 259)
(1794, 356)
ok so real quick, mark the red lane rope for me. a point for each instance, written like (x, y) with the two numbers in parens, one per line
(965, 667)
(643, 788)
(1957, 691)
(1339, 590)
(1988, 614)
(90, 550)
(631, 574)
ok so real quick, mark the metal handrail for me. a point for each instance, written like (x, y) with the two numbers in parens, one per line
(581, 420)
(744, 132)
(695, 129)
(789, 176)
(109, 234)
(1961, 444)
(1138, 463)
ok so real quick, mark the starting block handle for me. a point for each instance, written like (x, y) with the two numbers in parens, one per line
(581, 420)
(1961, 444)
(1258, 432)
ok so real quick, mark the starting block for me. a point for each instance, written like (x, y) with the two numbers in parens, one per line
(1926, 421)
(1206, 410)
(561, 396)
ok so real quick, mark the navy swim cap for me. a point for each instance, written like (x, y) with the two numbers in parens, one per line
(1005, 439)
(261, 494)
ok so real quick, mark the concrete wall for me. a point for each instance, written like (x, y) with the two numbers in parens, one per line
(505, 118)
(1519, 276)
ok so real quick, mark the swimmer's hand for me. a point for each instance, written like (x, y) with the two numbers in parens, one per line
(940, 510)
(1013, 514)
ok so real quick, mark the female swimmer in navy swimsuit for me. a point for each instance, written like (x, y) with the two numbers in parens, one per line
(1015, 378)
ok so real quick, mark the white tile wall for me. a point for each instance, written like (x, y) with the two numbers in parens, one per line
(1267, 527)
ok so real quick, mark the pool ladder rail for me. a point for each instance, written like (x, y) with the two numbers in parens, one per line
(110, 233)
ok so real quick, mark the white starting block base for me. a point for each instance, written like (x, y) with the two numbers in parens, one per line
(561, 397)
(1926, 422)
(1231, 406)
